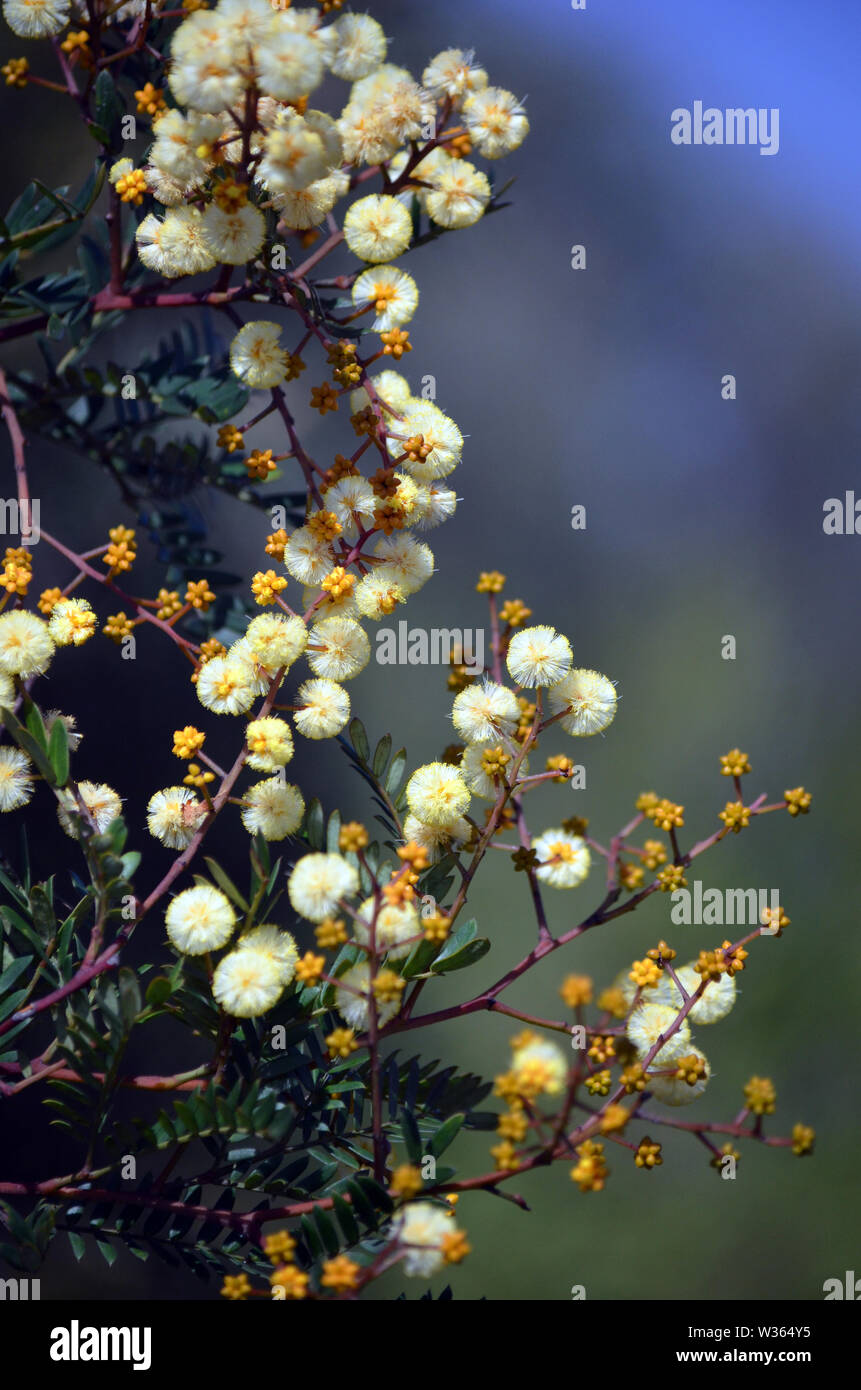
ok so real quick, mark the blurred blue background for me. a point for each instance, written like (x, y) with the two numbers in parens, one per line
(704, 517)
(602, 387)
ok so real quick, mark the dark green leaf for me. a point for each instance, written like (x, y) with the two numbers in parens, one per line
(396, 772)
(42, 909)
(78, 1244)
(459, 937)
(34, 722)
(108, 108)
(445, 1135)
(11, 1004)
(359, 739)
(25, 740)
(381, 755)
(226, 885)
(130, 995)
(346, 1219)
(420, 959)
(328, 1231)
(109, 1252)
(58, 752)
(459, 960)
(312, 1239)
(362, 1205)
(11, 973)
(158, 990)
(333, 832)
(412, 1139)
(315, 825)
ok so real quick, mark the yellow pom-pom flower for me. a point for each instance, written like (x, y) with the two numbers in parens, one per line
(422, 1230)
(247, 983)
(352, 998)
(338, 649)
(393, 293)
(539, 1066)
(270, 744)
(102, 802)
(538, 656)
(437, 795)
(72, 622)
(396, 924)
(26, 645)
(590, 700)
(676, 1089)
(173, 816)
(649, 1023)
(275, 641)
(256, 354)
(16, 779)
(324, 708)
(277, 946)
(378, 228)
(273, 809)
(319, 882)
(200, 919)
(563, 859)
(227, 685)
(484, 712)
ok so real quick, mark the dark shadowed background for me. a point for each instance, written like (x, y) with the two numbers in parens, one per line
(602, 387)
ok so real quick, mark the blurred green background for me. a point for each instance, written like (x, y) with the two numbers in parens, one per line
(704, 518)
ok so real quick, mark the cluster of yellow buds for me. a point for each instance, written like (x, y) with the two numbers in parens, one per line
(576, 990)
(48, 600)
(667, 815)
(514, 612)
(590, 1173)
(671, 878)
(169, 603)
(121, 553)
(197, 776)
(648, 1154)
(760, 1096)
(276, 544)
(230, 195)
(735, 816)
(331, 933)
(342, 359)
(266, 586)
(230, 438)
(734, 763)
(150, 100)
(118, 627)
(324, 398)
(288, 1281)
(131, 187)
(341, 1042)
(260, 464)
(436, 926)
(199, 595)
(15, 72)
(388, 986)
(309, 968)
(17, 570)
(406, 1181)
